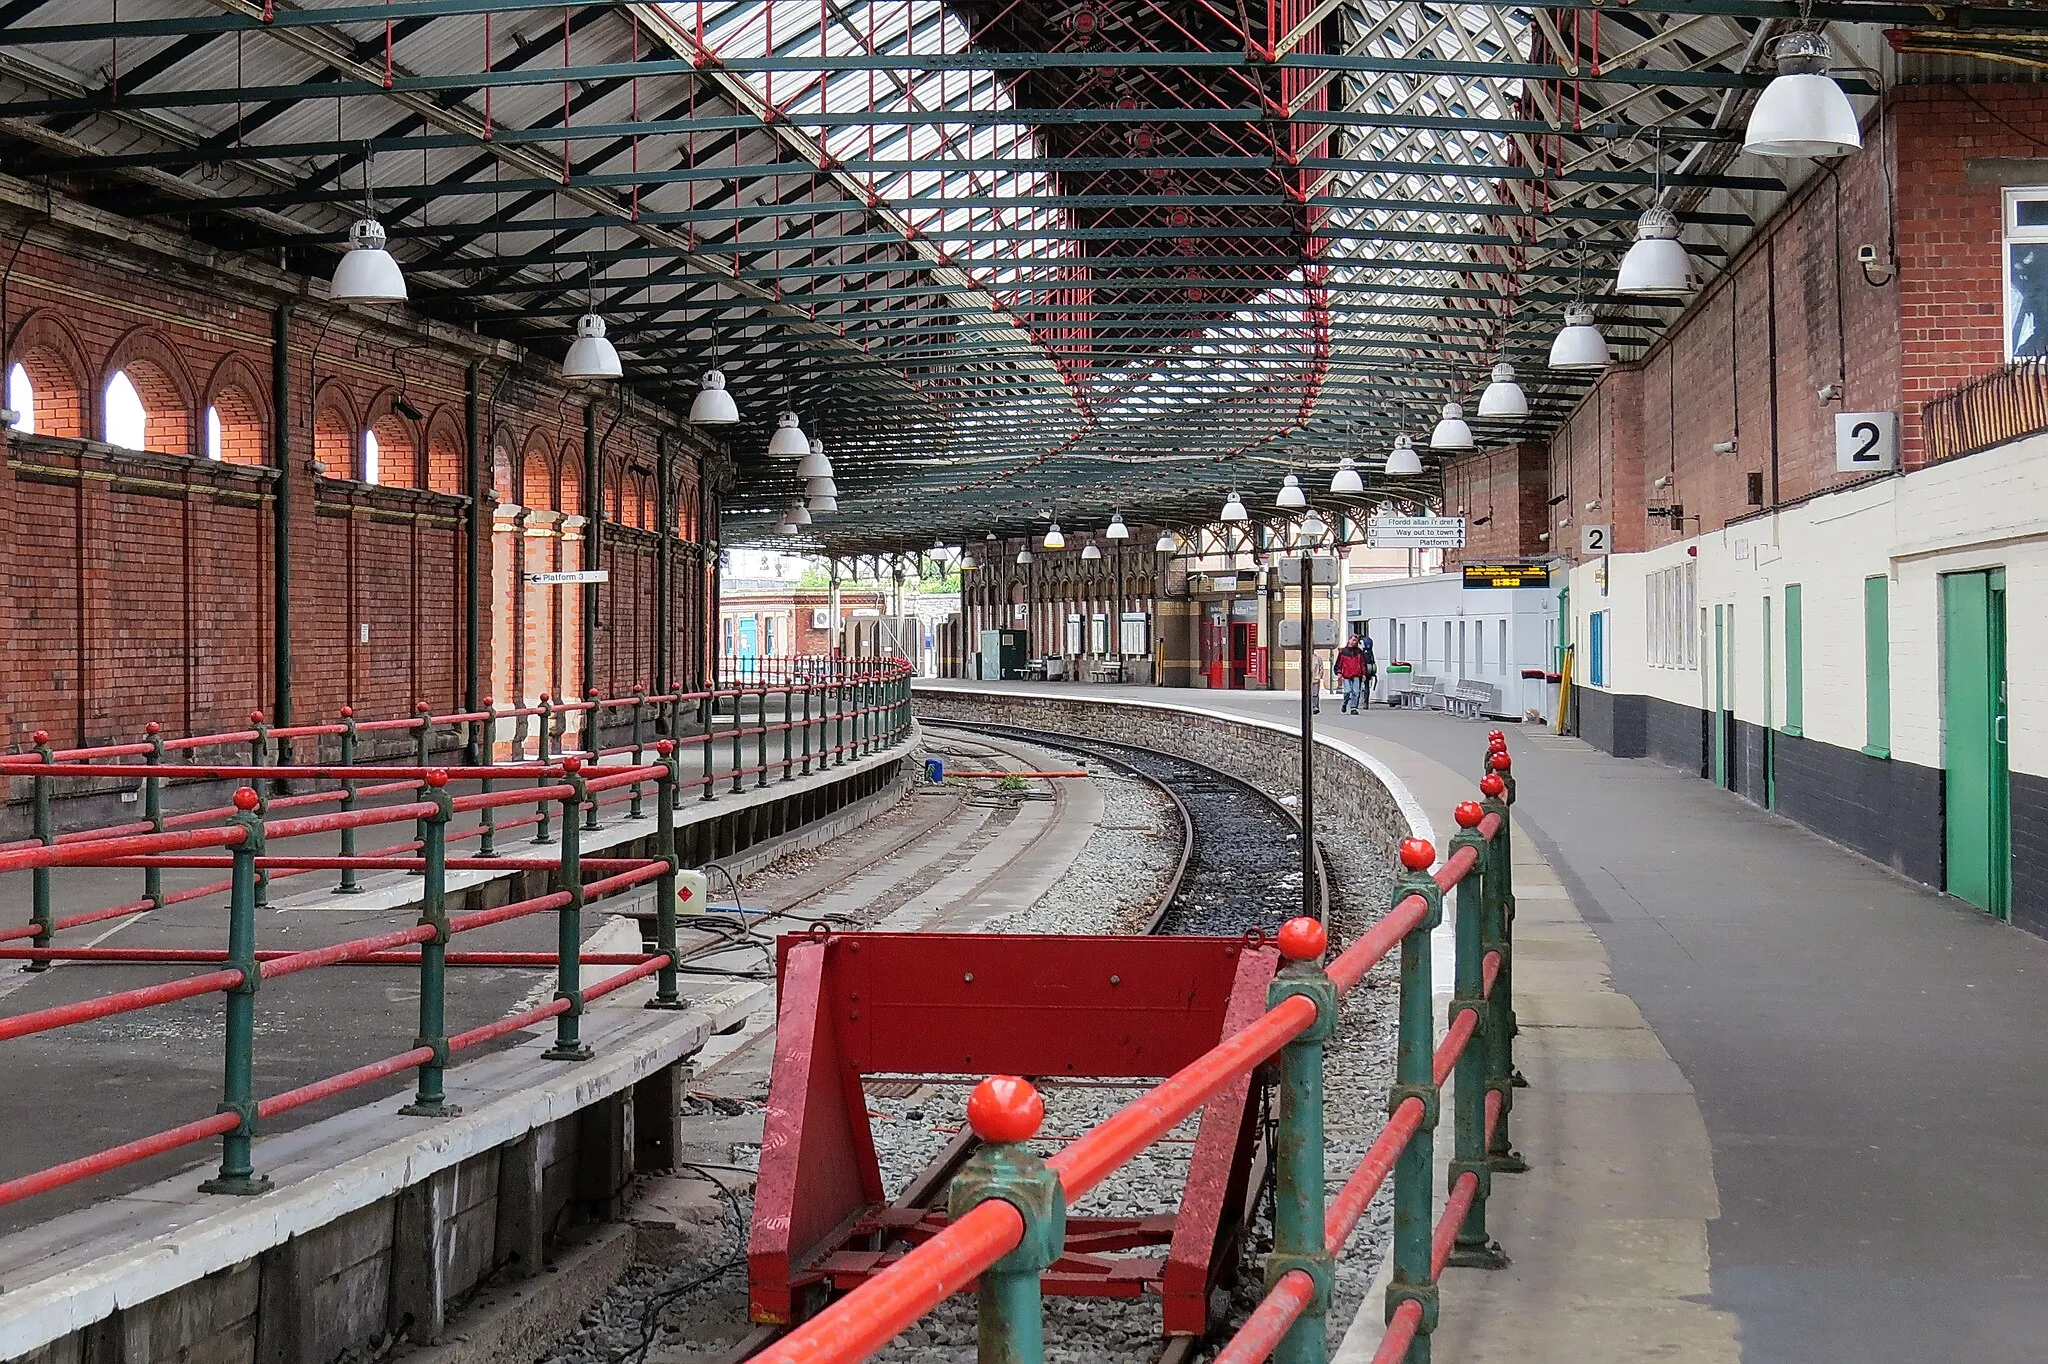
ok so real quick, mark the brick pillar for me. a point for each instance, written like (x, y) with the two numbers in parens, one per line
(508, 639)
(536, 629)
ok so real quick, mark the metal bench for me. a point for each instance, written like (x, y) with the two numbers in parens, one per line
(1472, 700)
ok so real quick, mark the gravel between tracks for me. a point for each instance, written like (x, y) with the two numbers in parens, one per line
(1110, 887)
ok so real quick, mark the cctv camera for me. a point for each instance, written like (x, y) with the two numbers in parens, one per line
(1866, 254)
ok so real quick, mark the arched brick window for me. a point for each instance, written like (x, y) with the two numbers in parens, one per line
(20, 399)
(234, 428)
(334, 433)
(570, 496)
(391, 452)
(145, 402)
(501, 474)
(446, 455)
(46, 380)
(537, 479)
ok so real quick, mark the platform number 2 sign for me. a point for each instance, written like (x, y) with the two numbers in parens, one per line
(1596, 539)
(1866, 442)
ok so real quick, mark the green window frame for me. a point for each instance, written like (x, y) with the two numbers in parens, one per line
(1877, 666)
(1795, 661)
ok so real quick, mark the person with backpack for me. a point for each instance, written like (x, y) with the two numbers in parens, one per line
(1352, 665)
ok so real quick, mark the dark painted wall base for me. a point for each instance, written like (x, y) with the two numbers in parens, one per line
(1887, 810)
(2030, 852)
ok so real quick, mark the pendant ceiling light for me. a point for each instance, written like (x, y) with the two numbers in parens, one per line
(714, 406)
(821, 494)
(1053, 538)
(1089, 550)
(1451, 432)
(1167, 544)
(797, 515)
(367, 274)
(1503, 397)
(1403, 462)
(591, 357)
(1802, 112)
(1656, 266)
(968, 563)
(789, 441)
(1024, 555)
(1579, 345)
(1117, 530)
(1346, 479)
(1233, 509)
(785, 527)
(1312, 528)
(815, 465)
(1291, 497)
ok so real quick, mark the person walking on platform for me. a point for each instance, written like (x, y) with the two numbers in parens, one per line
(1352, 662)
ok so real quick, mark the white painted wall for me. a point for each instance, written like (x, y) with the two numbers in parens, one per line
(1988, 510)
(1428, 612)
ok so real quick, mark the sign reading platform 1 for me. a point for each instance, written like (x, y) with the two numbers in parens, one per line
(573, 576)
(1507, 575)
(1415, 532)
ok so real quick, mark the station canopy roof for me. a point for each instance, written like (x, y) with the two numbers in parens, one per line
(1006, 258)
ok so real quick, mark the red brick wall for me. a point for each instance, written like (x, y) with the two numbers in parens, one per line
(1506, 488)
(139, 586)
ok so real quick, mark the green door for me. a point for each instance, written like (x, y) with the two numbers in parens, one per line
(1974, 739)
(1718, 731)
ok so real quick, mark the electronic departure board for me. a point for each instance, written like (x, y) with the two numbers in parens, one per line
(1507, 575)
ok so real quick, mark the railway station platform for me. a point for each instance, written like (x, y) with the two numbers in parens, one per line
(1784, 1105)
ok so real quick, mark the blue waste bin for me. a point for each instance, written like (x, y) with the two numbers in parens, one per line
(935, 771)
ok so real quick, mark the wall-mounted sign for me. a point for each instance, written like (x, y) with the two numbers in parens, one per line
(1866, 442)
(570, 578)
(1596, 539)
(1507, 575)
(1415, 532)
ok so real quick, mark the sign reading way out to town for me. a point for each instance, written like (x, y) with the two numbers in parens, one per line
(1415, 532)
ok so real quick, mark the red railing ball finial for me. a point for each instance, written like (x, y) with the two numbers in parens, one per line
(543, 698)
(437, 777)
(1005, 1108)
(255, 717)
(1497, 744)
(40, 737)
(1492, 785)
(245, 798)
(152, 728)
(423, 708)
(665, 746)
(1500, 762)
(1417, 854)
(490, 701)
(348, 712)
(1469, 813)
(1302, 939)
(1496, 735)
(572, 763)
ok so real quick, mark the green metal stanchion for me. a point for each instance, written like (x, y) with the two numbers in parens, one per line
(1502, 1077)
(429, 1099)
(569, 923)
(485, 742)
(665, 991)
(1474, 1248)
(153, 808)
(1005, 1112)
(347, 885)
(761, 744)
(839, 719)
(544, 833)
(739, 727)
(259, 756)
(639, 747)
(1414, 1206)
(788, 734)
(807, 729)
(238, 1087)
(40, 912)
(1298, 1176)
(708, 708)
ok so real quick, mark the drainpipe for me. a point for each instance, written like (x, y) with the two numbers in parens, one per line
(280, 524)
(593, 513)
(1771, 336)
(472, 597)
(664, 515)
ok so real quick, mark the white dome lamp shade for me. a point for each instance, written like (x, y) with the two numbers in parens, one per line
(591, 356)
(1656, 265)
(1054, 538)
(1091, 550)
(785, 527)
(1233, 509)
(1291, 497)
(1312, 528)
(797, 515)
(1504, 397)
(1024, 555)
(1579, 345)
(1167, 544)
(713, 406)
(1451, 432)
(821, 494)
(1402, 461)
(815, 465)
(1116, 529)
(367, 274)
(789, 441)
(968, 563)
(1802, 112)
(1346, 479)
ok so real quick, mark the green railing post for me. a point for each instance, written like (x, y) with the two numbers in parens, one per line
(839, 716)
(259, 756)
(708, 709)
(670, 758)
(1298, 1175)
(430, 1100)
(761, 744)
(569, 923)
(807, 729)
(347, 885)
(639, 746)
(153, 808)
(422, 754)
(238, 1086)
(675, 732)
(1474, 1248)
(544, 832)
(1502, 1077)
(1414, 1078)
(590, 759)
(1005, 1112)
(485, 743)
(739, 729)
(788, 731)
(40, 912)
